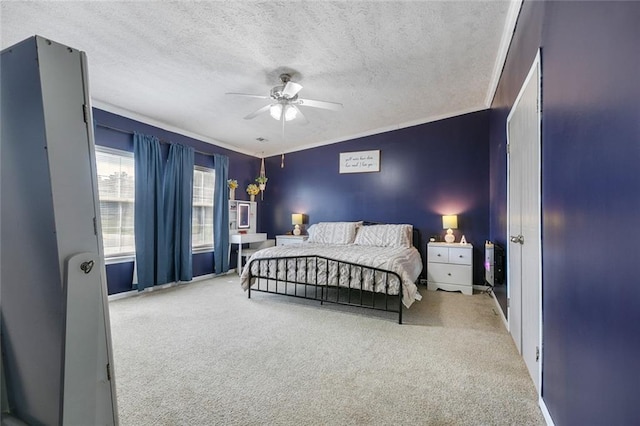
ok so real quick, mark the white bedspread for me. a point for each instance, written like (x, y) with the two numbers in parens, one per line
(406, 262)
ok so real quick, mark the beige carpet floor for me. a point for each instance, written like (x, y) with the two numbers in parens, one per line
(204, 354)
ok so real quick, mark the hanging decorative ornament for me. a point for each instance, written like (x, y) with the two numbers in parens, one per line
(262, 179)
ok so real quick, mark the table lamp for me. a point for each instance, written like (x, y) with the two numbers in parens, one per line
(450, 222)
(296, 219)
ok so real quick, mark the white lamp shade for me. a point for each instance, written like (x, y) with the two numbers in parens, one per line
(450, 222)
(289, 112)
(296, 219)
(275, 111)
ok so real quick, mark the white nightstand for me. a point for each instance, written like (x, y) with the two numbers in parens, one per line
(283, 240)
(450, 267)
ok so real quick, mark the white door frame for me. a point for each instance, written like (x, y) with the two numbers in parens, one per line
(536, 65)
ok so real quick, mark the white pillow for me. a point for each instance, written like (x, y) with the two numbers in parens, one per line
(333, 232)
(385, 235)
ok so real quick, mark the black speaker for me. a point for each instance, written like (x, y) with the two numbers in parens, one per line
(499, 264)
(494, 264)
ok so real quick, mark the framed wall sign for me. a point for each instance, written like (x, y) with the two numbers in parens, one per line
(360, 162)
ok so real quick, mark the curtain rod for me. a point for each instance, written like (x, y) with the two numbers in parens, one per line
(129, 132)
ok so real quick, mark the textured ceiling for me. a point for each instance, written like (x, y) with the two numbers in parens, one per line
(390, 63)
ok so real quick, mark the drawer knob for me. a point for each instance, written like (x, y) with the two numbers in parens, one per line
(438, 254)
(460, 256)
(449, 274)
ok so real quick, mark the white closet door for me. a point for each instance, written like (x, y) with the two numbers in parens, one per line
(524, 251)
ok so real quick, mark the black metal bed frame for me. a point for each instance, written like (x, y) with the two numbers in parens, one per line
(324, 291)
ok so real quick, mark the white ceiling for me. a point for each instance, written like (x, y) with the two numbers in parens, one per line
(390, 63)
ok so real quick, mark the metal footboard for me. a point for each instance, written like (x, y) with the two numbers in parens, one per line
(326, 280)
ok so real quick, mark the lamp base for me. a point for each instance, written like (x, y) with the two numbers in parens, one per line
(449, 238)
(296, 230)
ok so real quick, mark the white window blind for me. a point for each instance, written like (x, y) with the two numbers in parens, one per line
(116, 186)
(202, 213)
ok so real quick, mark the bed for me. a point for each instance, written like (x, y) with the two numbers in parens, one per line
(349, 263)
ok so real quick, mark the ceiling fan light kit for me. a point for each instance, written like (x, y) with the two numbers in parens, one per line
(285, 102)
(290, 112)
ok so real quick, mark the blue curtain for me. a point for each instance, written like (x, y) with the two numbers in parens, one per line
(148, 214)
(221, 214)
(178, 196)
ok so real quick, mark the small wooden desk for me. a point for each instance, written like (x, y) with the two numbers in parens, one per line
(241, 239)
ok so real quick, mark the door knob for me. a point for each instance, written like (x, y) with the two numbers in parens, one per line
(518, 239)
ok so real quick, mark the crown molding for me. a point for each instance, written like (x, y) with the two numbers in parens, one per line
(380, 130)
(164, 126)
(503, 49)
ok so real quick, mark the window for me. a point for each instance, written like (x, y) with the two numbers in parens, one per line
(116, 189)
(116, 186)
(202, 213)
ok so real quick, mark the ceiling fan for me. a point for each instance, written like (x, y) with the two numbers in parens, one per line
(285, 102)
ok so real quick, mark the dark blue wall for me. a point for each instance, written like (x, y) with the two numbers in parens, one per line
(590, 201)
(522, 52)
(425, 171)
(242, 167)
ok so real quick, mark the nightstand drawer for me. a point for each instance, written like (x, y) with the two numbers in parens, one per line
(285, 240)
(461, 256)
(449, 274)
(438, 254)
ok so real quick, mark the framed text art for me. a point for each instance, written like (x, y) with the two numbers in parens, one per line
(360, 162)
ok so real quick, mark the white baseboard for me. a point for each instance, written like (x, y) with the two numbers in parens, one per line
(481, 287)
(545, 412)
(203, 277)
(133, 293)
(122, 295)
(504, 319)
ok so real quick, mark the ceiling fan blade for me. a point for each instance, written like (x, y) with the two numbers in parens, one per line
(260, 111)
(334, 106)
(291, 89)
(248, 95)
